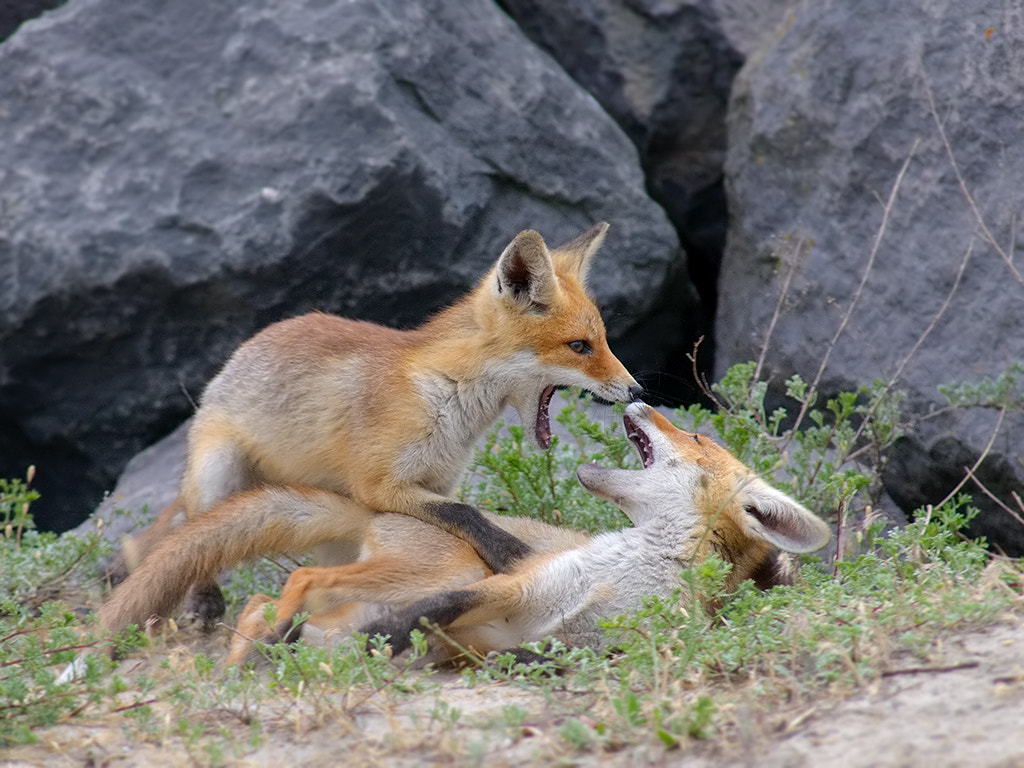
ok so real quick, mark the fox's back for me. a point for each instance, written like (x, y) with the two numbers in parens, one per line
(301, 396)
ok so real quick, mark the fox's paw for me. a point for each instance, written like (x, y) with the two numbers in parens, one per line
(501, 551)
(205, 606)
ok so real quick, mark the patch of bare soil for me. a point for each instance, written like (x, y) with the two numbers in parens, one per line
(962, 706)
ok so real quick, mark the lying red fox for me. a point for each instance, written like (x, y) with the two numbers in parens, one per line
(692, 497)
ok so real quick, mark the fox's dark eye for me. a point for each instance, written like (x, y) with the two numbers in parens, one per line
(580, 347)
(696, 439)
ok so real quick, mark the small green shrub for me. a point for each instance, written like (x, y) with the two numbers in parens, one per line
(510, 477)
(680, 669)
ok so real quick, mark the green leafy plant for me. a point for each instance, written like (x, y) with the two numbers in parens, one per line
(36, 566)
(15, 499)
(510, 477)
(1005, 391)
(680, 668)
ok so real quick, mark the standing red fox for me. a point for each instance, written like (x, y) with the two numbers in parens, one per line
(692, 497)
(356, 416)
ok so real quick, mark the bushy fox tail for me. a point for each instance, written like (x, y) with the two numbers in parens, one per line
(271, 520)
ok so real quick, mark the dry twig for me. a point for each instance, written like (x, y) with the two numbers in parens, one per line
(989, 237)
(886, 211)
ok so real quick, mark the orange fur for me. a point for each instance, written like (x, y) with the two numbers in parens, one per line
(382, 419)
(692, 497)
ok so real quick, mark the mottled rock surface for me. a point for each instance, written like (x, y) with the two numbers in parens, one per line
(821, 124)
(664, 70)
(176, 175)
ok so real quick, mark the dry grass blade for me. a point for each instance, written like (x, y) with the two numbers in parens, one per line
(917, 345)
(886, 212)
(969, 472)
(930, 670)
(1003, 505)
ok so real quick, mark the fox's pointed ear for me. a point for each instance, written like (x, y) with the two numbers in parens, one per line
(779, 519)
(574, 257)
(525, 274)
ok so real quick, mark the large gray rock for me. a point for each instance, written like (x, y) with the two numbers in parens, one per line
(13, 13)
(821, 123)
(664, 70)
(176, 175)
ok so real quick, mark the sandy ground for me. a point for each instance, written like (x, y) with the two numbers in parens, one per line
(963, 707)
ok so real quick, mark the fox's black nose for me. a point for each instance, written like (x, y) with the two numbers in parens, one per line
(635, 393)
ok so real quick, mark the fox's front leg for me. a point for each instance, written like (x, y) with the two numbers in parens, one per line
(499, 549)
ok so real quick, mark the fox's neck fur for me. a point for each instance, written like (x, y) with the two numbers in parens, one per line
(464, 376)
(464, 387)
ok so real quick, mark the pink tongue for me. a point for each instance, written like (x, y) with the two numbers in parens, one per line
(542, 430)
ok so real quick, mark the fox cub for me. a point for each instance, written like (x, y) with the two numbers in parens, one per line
(692, 497)
(317, 423)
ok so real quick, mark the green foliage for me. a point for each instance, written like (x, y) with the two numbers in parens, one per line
(680, 666)
(1006, 391)
(39, 567)
(15, 499)
(38, 635)
(34, 566)
(33, 649)
(512, 478)
(830, 630)
(816, 459)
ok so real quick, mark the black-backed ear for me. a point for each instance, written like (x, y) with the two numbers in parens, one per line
(782, 521)
(525, 274)
(574, 257)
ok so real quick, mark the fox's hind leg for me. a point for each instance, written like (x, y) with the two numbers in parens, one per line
(482, 617)
(217, 469)
(382, 579)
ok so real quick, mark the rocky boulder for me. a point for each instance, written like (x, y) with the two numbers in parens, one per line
(664, 71)
(13, 13)
(176, 175)
(850, 103)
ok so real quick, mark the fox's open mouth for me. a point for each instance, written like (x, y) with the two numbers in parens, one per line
(542, 429)
(640, 439)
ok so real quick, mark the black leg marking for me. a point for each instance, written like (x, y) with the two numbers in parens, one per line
(441, 611)
(496, 547)
(206, 605)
